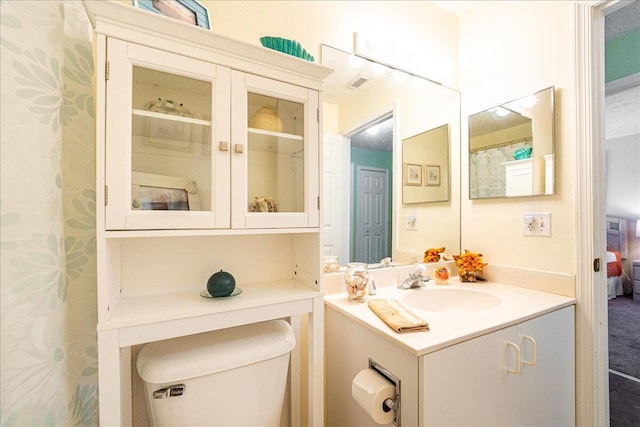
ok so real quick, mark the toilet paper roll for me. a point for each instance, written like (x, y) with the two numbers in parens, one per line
(370, 389)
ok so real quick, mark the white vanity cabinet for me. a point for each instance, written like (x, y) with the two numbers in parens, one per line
(517, 376)
(195, 183)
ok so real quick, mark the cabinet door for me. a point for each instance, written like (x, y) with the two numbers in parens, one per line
(468, 384)
(275, 156)
(167, 133)
(547, 374)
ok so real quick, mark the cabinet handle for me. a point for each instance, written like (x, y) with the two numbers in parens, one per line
(224, 146)
(533, 350)
(238, 148)
(517, 369)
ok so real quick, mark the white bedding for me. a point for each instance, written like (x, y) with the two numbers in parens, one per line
(614, 286)
(614, 283)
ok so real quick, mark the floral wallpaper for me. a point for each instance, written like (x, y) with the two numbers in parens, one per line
(48, 311)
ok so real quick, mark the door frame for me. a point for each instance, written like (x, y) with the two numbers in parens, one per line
(592, 358)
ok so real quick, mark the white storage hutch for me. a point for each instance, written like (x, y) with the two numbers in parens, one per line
(190, 189)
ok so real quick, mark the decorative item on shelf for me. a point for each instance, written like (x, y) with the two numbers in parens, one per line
(290, 47)
(266, 119)
(469, 265)
(522, 153)
(189, 11)
(441, 273)
(331, 263)
(433, 254)
(168, 106)
(263, 204)
(357, 280)
(221, 284)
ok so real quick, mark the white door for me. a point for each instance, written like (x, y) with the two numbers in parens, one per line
(336, 194)
(372, 225)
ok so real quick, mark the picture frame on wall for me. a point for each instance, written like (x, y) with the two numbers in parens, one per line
(189, 11)
(432, 175)
(412, 174)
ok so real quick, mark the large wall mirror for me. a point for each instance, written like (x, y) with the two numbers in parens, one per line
(370, 113)
(512, 149)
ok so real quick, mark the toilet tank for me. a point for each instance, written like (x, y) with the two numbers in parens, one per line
(230, 377)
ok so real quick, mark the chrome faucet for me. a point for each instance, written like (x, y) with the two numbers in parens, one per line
(415, 280)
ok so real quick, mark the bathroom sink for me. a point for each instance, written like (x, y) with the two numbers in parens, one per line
(450, 300)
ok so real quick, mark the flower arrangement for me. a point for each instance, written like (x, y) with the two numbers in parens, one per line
(469, 265)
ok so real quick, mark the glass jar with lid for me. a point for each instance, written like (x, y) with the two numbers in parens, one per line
(357, 281)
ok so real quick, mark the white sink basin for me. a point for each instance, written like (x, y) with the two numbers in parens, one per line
(450, 300)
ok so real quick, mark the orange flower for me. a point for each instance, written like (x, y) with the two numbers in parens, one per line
(469, 261)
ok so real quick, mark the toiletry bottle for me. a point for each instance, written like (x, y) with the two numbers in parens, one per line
(441, 273)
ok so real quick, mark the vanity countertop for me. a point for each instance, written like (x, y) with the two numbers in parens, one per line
(448, 328)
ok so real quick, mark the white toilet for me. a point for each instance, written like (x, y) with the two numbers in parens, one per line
(231, 377)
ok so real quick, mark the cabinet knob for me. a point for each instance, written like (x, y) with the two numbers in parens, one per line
(238, 148)
(224, 146)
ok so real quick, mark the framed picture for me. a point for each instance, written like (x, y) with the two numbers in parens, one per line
(432, 175)
(189, 11)
(412, 174)
(151, 192)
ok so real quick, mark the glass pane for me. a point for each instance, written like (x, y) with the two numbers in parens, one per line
(171, 142)
(276, 154)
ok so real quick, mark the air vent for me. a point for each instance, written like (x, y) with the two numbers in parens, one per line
(358, 81)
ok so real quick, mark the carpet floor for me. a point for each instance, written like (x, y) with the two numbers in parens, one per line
(624, 335)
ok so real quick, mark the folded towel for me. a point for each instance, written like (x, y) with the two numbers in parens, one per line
(396, 316)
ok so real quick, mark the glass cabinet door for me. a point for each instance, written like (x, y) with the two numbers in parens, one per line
(275, 158)
(167, 123)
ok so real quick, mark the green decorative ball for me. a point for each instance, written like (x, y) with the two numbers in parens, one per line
(221, 284)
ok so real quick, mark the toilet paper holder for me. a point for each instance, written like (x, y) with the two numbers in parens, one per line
(391, 404)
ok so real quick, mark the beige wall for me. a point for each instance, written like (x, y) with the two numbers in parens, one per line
(420, 26)
(508, 50)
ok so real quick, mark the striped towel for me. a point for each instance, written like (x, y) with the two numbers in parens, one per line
(396, 316)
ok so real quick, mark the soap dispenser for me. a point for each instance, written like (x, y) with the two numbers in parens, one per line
(441, 273)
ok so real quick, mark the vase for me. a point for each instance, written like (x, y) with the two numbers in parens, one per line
(357, 280)
(266, 119)
(467, 276)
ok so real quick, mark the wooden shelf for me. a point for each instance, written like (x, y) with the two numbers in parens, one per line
(127, 234)
(170, 117)
(145, 318)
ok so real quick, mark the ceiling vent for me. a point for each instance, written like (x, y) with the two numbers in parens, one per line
(358, 81)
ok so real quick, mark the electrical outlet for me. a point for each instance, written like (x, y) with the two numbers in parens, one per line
(536, 224)
(411, 222)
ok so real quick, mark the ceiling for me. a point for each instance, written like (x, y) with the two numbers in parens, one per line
(337, 88)
(622, 21)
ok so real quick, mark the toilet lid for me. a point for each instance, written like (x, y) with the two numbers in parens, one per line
(193, 356)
